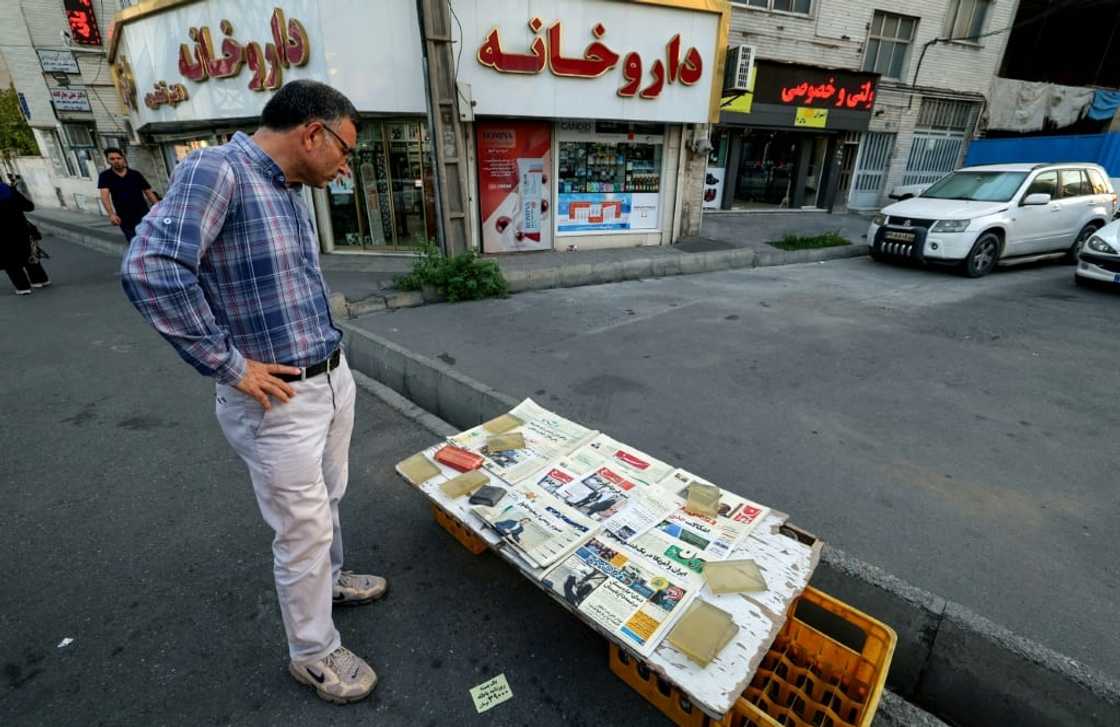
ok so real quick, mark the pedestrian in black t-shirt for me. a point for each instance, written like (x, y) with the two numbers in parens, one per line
(124, 192)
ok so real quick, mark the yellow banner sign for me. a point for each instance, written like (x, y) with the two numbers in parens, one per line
(812, 118)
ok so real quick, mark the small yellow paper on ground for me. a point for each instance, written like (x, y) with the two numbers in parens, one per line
(491, 693)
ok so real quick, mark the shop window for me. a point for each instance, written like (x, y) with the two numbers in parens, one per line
(965, 18)
(801, 7)
(82, 149)
(590, 167)
(608, 178)
(388, 201)
(888, 44)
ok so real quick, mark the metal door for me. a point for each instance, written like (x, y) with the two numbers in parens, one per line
(933, 154)
(873, 160)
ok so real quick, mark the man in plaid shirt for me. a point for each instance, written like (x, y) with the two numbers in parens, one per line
(226, 268)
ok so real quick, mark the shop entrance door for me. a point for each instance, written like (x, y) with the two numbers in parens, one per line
(765, 176)
(388, 204)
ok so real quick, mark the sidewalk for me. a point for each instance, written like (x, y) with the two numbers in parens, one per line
(729, 240)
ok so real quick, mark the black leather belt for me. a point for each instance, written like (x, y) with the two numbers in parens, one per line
(330, 364)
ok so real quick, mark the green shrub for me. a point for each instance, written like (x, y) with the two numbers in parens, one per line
(465, 276)
(810, 242)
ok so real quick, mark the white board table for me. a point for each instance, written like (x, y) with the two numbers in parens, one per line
(786, 563)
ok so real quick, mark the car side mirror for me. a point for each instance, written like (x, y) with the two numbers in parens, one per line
(1036, 198)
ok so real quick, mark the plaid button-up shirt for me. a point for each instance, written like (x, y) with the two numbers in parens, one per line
(226, 267)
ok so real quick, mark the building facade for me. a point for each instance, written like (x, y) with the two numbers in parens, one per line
(850, 98)
(56, 55)
(582, 124)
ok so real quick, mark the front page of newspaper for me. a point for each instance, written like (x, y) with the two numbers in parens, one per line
(541, 528)
(704, 537)
(631, 463)
(629, 595)
(547, 437)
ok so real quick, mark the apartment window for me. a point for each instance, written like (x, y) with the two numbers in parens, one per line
(79, 139)
(965, 18)
(888, 44)
(801, 7)
(63, 166)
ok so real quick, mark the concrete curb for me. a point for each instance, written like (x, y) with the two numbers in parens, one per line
(894, 711)
(565, 276)
(93, 241)
(949, 660)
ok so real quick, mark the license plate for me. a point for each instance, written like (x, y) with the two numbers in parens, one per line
(895, 236)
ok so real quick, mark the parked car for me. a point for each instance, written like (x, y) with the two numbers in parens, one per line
(1099, 258)
(906, 191)
(978, 217)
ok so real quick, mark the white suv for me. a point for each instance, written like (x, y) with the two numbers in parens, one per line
(1002, 213)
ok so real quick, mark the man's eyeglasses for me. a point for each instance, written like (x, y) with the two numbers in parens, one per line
(347, 150)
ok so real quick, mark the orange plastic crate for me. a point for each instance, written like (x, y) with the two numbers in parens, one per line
(810, 679)
(657, 690)
(461, 532)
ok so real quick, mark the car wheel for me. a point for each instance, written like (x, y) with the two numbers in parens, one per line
(876, 255)
(983, 257)
(1079, 241)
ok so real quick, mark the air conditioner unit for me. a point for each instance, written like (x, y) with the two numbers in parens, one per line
(737, 72)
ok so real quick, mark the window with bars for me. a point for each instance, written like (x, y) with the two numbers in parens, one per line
(888, 44)
(801, 7)
(946, 115)
(965, 18)
(80, 143)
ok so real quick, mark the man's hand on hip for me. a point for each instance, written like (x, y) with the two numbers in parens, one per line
(260, 383)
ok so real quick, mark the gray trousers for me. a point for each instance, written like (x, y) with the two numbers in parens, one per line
(298, 458)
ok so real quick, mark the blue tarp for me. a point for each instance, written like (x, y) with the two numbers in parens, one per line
(1103, 149)
(1104, 105)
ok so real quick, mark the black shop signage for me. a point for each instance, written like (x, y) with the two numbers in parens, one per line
(790, 84)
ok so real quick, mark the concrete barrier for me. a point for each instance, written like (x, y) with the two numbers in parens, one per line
(949, 660)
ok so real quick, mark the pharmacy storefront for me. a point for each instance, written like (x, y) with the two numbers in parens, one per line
(585, 115)
(193, 73)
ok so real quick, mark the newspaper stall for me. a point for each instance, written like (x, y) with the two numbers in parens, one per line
(612, 534)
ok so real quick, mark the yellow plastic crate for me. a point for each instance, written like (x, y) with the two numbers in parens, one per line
(807, 679)
(459, 531)
(810, 679)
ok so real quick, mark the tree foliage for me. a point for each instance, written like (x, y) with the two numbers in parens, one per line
(16, 138)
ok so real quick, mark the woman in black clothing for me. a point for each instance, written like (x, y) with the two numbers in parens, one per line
(15, 243)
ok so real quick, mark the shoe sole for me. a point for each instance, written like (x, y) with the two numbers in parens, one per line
(325, 696)
(363, 601)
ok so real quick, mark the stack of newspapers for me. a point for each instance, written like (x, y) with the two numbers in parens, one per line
(602, 525)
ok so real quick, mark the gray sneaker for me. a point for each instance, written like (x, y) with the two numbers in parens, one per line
(354, 590)
(340, 677)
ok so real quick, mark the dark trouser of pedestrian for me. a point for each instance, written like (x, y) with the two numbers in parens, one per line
(26, 276)
(24, 271)
(128, 227)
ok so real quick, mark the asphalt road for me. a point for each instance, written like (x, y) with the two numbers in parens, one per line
(129, 526)
(960, 433)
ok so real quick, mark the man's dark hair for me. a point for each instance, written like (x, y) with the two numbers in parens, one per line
(113, 150)
(302, 101)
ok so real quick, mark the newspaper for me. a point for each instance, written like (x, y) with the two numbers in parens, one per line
(701, 538)
(547, 437)
(631, 463)
(630, 596)
(541, 528)
(644, 509)
(592, 487)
